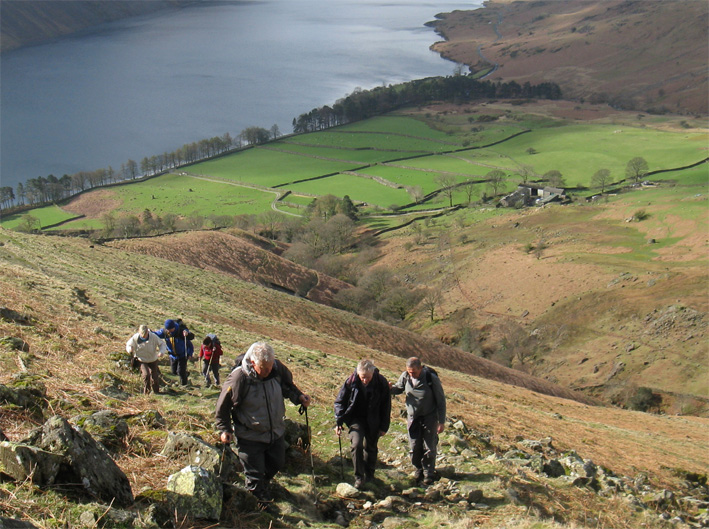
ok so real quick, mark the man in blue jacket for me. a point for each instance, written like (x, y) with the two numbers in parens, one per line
(364, 404)
(178, 339)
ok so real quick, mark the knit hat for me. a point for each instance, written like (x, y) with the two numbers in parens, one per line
(170, 324)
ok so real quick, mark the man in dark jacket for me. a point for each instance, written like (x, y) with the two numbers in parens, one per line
(178, 339)
(364, 404)
(426, 415)
(250, 408)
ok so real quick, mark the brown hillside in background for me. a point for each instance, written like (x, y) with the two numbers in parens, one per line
(27, 23)
(313, 326)
(241, 258)
(639, 55)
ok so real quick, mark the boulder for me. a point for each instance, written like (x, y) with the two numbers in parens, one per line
(148, 418)
(89, 463)
(30, 395)
(25, 462)
(16, 344)
(12, 523)
(346, 490)
(105, 426)
(196, 492)
(190, 450)
(296, 434)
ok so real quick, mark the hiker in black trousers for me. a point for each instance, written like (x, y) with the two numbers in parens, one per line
(426, 415)
(364, 404)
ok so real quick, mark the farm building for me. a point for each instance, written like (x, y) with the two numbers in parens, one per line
(533, 195)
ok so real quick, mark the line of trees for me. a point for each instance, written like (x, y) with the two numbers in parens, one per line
(363, 104)
(44, 190)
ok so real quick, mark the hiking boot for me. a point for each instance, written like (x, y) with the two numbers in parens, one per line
(359, 483)
(418, 476)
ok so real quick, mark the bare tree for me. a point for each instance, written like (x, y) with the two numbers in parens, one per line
(446, 182)
(432, 299)
(495, 179)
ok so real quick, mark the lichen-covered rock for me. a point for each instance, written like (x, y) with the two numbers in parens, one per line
(22, 462)
(191, 450)
(105, 426)
(196, 492)
(27, 393)
(12, 523)
(89, 463)
(149, 418)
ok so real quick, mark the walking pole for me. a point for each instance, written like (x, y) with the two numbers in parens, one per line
(342, 461)
(302, 410)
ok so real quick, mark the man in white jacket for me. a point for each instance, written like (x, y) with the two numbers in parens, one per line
(147, 348)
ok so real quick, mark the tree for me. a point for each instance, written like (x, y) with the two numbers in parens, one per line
(636, 169)
(28, 223)
(469, 189)
(495, 179)
(275, 131)
(256, 135)
(347, 208)
(21, 194)
(554, 178)
(415, 192)
(432, 298)
(601, 178)
(446, 182)
(109, 223)
(525, 172)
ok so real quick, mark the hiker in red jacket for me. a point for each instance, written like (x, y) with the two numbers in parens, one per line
(209, 354)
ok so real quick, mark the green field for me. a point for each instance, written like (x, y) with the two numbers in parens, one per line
(46, 216)
(266, 167)
(298, 163)
(359, 190)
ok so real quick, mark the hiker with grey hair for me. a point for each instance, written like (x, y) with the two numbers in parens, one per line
(146, 347)
(364, 405)
(426, 415)
(251, 410)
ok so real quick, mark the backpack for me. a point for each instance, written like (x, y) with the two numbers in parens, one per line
(214, 338)
(429, 372)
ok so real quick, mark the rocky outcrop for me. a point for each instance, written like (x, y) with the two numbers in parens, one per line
(85, 461)
(195, 492)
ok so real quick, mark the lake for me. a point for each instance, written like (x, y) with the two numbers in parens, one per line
(150, 84)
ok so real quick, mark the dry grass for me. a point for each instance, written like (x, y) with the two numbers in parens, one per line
(591, 48)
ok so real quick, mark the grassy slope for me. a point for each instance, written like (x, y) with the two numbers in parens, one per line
(86, 300)
(598, 296)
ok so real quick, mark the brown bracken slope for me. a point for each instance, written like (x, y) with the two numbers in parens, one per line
(638, 55)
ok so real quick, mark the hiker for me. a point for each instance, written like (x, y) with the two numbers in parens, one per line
(147, 348)
(178, 339)
(364, 404)
(251, 409)
(426, 415)
(209, 354)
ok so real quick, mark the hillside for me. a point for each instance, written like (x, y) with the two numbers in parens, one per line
(244, 256)
(585, 296)
(637, 55)
(24, 23)
(74, 303)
